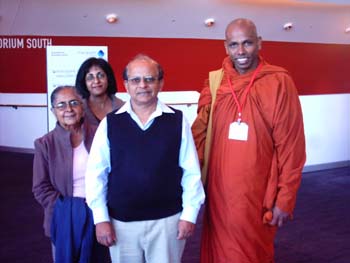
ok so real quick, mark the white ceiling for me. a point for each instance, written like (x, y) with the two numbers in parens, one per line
(318, 21)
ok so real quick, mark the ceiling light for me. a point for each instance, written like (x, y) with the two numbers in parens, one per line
(288, 26)
(347, 30)
(209, 22)
(111, 18)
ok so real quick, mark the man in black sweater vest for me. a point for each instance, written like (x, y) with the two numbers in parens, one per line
(143, 177)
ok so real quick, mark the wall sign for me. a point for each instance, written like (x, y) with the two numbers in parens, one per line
(24, 42)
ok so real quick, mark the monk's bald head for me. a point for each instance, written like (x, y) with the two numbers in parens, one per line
(241, 24)
(242, 44)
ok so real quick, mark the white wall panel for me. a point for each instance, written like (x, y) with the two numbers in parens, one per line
(326, 121)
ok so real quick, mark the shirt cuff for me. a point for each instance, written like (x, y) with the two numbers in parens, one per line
(190, 214)
(100, 215)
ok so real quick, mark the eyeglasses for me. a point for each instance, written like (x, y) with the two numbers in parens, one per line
(63, 104)
(146, 79)
(91, 77)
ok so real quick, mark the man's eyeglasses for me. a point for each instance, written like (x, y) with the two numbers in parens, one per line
(63, 104)
(90, 77)
(146, 79)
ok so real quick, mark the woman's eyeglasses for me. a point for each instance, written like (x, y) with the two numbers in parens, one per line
(91, 77)
(63, 104)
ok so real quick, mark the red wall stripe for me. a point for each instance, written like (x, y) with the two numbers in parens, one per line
(315, 68)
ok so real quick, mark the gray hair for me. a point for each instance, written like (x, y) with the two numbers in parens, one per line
(147, 58)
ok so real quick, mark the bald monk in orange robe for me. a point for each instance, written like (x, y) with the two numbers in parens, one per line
(257, 152)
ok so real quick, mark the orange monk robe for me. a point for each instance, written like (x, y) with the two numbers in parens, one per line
(247, 178)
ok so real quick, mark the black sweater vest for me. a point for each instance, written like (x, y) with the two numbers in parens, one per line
(145, 178)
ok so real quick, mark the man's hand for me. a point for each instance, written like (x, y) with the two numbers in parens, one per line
(279, 217)
(105, 234)
(185, 229)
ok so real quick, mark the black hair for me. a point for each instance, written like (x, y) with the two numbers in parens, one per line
(80, 82)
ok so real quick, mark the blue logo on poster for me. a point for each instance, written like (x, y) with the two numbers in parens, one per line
(100, 54)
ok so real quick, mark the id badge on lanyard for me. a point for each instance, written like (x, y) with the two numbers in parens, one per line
(238, 130)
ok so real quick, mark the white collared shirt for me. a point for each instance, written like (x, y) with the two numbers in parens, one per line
(99, 166)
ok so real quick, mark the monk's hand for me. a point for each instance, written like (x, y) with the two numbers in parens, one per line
(185, 229)
(105, 234)
(279, 217)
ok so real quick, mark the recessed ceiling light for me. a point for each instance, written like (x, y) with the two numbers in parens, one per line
(111, 18)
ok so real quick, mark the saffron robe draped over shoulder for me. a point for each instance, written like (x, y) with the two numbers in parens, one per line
(247, 178)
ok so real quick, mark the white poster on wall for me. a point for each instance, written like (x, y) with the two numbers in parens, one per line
(63, 63)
